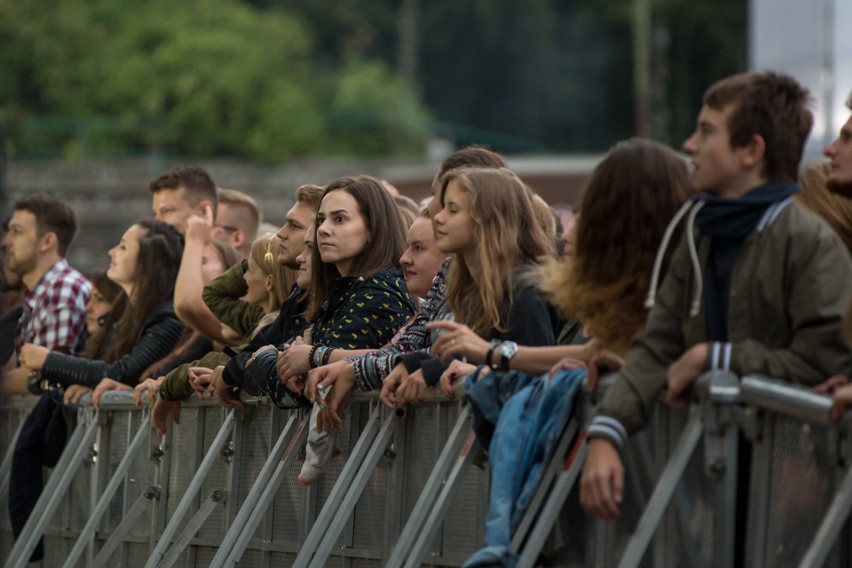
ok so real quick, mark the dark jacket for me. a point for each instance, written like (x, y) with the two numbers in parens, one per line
(788, 295)
(222, 296)
(531, 321)
(158, 337)
(361, 313)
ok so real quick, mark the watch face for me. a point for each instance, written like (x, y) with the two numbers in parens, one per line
(508, 349)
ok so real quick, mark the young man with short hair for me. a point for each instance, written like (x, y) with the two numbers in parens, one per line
(40, 232)
(237, 220)
(181, 193)
(772, 289)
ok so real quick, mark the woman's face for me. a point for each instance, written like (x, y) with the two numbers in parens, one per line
(422, 259)
(454, 224)
(211, 264)
(342, 231)
(259, 283)
(96, 308)
(123, 257)
(303, 279)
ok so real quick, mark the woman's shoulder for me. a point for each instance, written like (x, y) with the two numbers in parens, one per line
(163, 313)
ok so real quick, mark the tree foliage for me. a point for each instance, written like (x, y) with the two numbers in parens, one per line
(202, 78)
(273, 79)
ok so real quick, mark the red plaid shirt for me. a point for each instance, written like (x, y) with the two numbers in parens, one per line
(54, 313)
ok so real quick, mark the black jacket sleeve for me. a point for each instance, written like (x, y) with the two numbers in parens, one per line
(158, 338)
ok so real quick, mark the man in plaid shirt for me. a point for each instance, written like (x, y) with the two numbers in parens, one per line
(53, 315)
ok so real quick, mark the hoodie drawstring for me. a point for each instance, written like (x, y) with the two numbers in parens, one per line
(693, 254)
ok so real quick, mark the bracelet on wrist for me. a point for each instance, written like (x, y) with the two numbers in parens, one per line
(326, 355)
(312, 356)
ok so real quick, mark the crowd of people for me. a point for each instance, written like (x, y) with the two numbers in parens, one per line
(673, 267)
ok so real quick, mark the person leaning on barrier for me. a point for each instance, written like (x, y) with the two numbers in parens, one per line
(144, 264)
(262, 284)
(489, 221)
(630, 198)
(367, 372)
(53, 315)
(420, 263)
(772, 289)
(240, 373)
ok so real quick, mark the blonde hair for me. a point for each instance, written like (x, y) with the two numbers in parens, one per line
(834, 209)
(507, 234)
(283, 278)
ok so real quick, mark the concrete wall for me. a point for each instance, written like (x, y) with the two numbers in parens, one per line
(110, 195)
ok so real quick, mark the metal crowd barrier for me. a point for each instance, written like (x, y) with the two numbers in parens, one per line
(752, 474)
(222, 489)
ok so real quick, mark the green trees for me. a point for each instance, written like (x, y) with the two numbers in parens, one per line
(197, 78)
(274, 79)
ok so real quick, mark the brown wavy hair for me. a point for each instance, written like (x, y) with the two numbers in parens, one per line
(628, 203)
(508, 237)
(387, 236)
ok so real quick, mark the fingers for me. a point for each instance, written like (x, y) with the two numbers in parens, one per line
(388, 394)
(443, 324)
(602, 484)
(831, 384)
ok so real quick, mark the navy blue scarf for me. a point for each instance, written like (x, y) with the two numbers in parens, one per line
(728, 222)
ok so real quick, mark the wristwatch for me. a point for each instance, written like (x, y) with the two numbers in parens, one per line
(507, 350)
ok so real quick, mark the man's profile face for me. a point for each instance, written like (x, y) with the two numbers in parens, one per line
(715, 165)
(21, 242)
(172, 206)
(840, 154)
(292, 234)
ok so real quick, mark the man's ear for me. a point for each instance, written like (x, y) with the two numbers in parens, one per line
(754, 151)
(238, 239)
(49, 241)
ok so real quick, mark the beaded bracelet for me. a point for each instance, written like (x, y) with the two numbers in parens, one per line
(311, 356)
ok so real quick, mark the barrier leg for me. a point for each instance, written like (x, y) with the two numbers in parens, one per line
(243, 524)
(6, 465)
(356, 488)
(103, 503)
(339, 490)
(663, 492)
(192, 527)
(458, 435)
(547, 519)
(832, 523)
(127, 523)
(443, 501)
(192, 491)
(53, 493)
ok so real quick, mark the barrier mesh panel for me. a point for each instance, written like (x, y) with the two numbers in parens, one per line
(800, 490)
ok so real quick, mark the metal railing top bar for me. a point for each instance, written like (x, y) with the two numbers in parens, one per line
(789, 399)
(123, 400)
